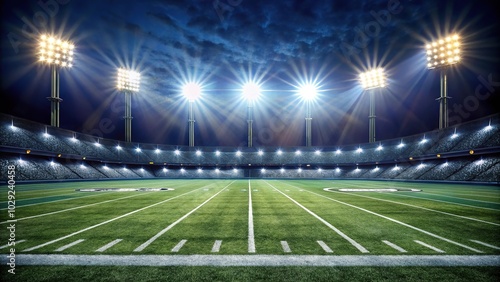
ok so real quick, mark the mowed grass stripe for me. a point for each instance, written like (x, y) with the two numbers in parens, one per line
(350, 240)
(419, 207)
(57, 199)
(396, 221)
(106, 222)
(486, 207)
(74, 208)
(251, 234)
(224, 218)
(163, 231)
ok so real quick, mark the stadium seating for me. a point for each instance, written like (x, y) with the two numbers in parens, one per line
(467, 152)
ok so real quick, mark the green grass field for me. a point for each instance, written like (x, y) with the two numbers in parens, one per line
(225, 218)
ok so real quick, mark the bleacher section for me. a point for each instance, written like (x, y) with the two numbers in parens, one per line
(468, 152)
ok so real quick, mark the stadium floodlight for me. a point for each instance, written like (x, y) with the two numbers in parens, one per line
(217, 153)
(157, 151)
(279, 152)
(198, 153)
(138, 150)
(298, 153)
(260, 152)
(192, 92)
(118, 147)
(308, 92)
(238, 153)
(177, 152)
(371, 80)
(338, 152)
(442, 54)
(58, 54)
(317, 152)
(128, 82)
(251, 92)
(380, 147)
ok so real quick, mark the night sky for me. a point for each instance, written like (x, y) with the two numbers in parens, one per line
(223, 43)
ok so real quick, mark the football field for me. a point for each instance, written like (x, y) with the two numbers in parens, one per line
(252, 230)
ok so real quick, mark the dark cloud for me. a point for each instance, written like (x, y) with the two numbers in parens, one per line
(219, 40)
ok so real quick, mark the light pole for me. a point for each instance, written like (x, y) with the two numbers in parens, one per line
(442, 54)
(371, 80)
(308, 92)
(192, 92)
(128, 83)
(251, 92)
(58, 54)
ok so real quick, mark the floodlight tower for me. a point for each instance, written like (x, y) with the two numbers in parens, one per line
(372, 80)
(308, 93)
(58, 54)
(192, 92)
(251, 92)
(442, 54)
(128, 83)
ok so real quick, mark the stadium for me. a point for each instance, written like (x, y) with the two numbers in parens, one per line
(419, 203)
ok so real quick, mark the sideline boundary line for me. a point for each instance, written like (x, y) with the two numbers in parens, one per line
(257, 260)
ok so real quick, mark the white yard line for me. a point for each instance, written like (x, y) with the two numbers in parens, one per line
(418, 207)
(216, 247)
(441, 201)
(178, 247)
(397, 221)
(286, 248)
(429, 246)
(251, 235)
(74, 208)
(7, 245)
(108, 245)
(105, 222)
(485, 244)
(354, 243)
(69, 245)
(466, 199)
(324, 246)
(394, 246)
(50, 202)
(152, 239)
(256, 260)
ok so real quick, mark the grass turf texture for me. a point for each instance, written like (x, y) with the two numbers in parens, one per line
(183, 273)
(458, 213)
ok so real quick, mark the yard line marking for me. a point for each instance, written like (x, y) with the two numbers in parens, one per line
(7, 245)
(354, 243)
(74, 208)
(53, 194)
(216, 247)
(285, 247)
(106, 222)
(69, 245)
(429, 246)
(108, 245)
(251, 236)
(443, 195)
(179, 246)
(397, 221)
(325, 247)
(418, 207)
(75, 198)
(441, 201)
(152, 239)
(255, 260)
(394, 246)
(485, 244)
